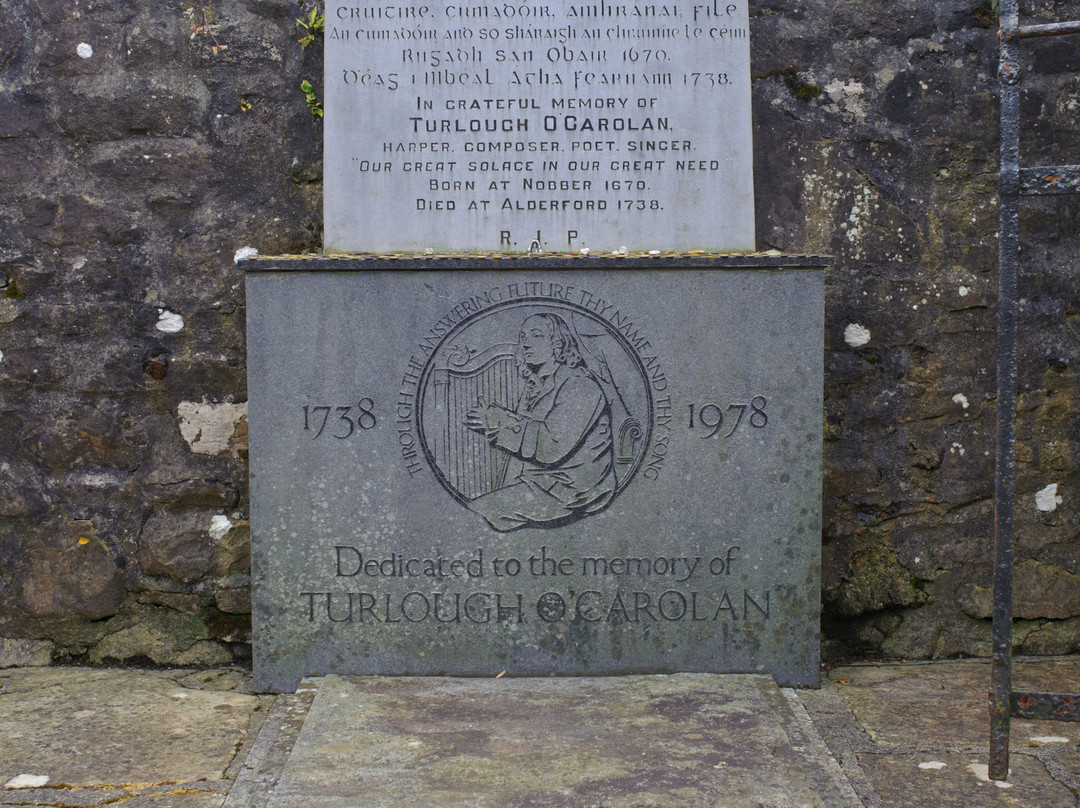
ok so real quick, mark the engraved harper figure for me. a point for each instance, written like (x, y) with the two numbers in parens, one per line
(558, 437)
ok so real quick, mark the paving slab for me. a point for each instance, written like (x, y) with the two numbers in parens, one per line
(261, 770)
(163, 795)
(148, 739)
(619, 742)
(881, 736)
(961, 781)
(920, 694)
(917, 734)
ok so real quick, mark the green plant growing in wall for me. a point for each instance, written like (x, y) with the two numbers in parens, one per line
(313, 102)
(312, 27)
(11, 289)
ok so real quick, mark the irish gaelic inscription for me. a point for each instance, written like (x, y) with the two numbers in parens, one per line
(469, 126)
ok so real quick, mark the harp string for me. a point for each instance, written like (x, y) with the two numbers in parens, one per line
(471, 465)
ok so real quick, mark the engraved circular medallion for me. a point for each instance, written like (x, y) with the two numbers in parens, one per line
(534, 412)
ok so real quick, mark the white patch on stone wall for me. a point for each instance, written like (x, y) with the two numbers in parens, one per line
(1049, 739)
(84, 50)
(862, 210)
(9, 310)
(168, 321)
(821, 195)
(1047, 499)
(27, 781)
(220, 525)
(856, 335)
(1, 356)
(932, 765)
(243, 253)
(99, 479)
(963, 291)
(961, 399)
(209, 428)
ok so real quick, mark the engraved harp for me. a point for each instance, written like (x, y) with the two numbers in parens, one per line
(470, 464)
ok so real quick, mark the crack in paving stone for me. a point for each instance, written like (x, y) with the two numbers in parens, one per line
(129, 792)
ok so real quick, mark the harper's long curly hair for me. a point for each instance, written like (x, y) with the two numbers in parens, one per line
(565, 344)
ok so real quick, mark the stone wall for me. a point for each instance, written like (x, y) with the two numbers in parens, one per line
(144, 143)
(891, 167)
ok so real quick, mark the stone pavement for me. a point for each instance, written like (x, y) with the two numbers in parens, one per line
(616, 742)
(874, 735)
(140, 738)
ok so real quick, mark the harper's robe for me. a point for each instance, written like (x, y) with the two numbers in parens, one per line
(561, 455)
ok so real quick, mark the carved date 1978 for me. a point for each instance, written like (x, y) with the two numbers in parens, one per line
(344, 424)
(711, 416)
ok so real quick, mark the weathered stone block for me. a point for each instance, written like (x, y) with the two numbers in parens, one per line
(25, 490)
(1039, 590)
(71, 572)
(89, 436)
(15, 653)
(234, 601)
(1051, 638)
(175, 545)
(181, 602)
(161, 635)
(874, 580)
(174, 474)
(114, 105)
(136, 162)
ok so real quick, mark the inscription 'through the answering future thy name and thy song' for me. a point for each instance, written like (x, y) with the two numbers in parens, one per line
(538, 125)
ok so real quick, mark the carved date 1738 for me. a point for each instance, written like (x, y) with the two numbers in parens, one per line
(345, 423)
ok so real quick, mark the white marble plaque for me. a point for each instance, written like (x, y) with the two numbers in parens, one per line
(466, 126)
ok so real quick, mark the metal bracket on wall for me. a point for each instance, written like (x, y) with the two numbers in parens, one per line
(1014, 182)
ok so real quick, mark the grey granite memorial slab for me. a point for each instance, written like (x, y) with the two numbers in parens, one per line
(526, 466)
(486, 126)
(627, 742)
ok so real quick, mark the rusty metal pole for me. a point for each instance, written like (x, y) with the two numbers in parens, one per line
(1005, 473)
(1050, 29)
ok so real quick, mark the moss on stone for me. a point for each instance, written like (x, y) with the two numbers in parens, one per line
(799, 89)
(875, 580)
